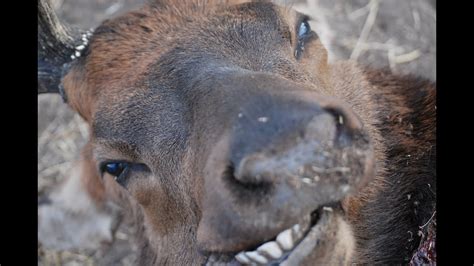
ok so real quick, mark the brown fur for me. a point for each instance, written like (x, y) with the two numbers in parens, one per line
(398, 114)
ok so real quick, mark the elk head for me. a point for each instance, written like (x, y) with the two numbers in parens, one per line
(223, 122)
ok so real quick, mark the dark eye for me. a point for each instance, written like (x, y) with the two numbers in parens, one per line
(115, 169)
(304, 29)
(304, 35)
(122, 171)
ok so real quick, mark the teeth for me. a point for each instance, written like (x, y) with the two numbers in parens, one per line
(296, 228)
(297, 233)
(242, 258)
(285, 239)
(273, 249)
(270, 249)
(253, 255)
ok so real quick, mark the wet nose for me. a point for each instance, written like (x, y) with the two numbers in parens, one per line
(301, 138)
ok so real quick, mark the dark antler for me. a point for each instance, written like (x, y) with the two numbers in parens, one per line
(56, 48)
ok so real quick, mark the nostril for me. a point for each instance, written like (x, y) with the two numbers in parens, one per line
(344, 117)
(340, 121)
(248, 186)
(252, 172)
(229, 172)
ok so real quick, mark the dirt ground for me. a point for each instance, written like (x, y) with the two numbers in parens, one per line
(400, 35)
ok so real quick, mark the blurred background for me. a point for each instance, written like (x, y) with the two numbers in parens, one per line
(398, 35)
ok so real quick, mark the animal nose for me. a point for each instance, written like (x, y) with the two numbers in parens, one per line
(283, 151)
(309, 144)
(285, 159)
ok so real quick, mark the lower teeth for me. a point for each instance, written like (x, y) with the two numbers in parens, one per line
(277, 251)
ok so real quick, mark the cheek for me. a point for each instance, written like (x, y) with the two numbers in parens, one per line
(163, 210)
(315, 61)
(154, 196)
(145, 191)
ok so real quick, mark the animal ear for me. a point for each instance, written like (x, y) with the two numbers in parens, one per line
(58, 47)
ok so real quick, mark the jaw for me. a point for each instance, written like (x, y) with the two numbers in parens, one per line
(323, 237)
(330, 242)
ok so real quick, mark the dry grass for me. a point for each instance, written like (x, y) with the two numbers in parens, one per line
(61, 133)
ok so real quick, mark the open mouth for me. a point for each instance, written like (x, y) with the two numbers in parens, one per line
(299, 240)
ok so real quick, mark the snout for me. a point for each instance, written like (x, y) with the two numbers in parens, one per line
(286, 155)
(303, 144)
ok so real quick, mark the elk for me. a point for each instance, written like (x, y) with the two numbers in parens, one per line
(221, 129)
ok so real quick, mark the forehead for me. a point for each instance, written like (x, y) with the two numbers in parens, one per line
(122, 49)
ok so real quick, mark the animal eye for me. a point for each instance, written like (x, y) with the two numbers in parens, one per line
(121, 171)
(304, 29)
(304, 34)
(115, 168)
